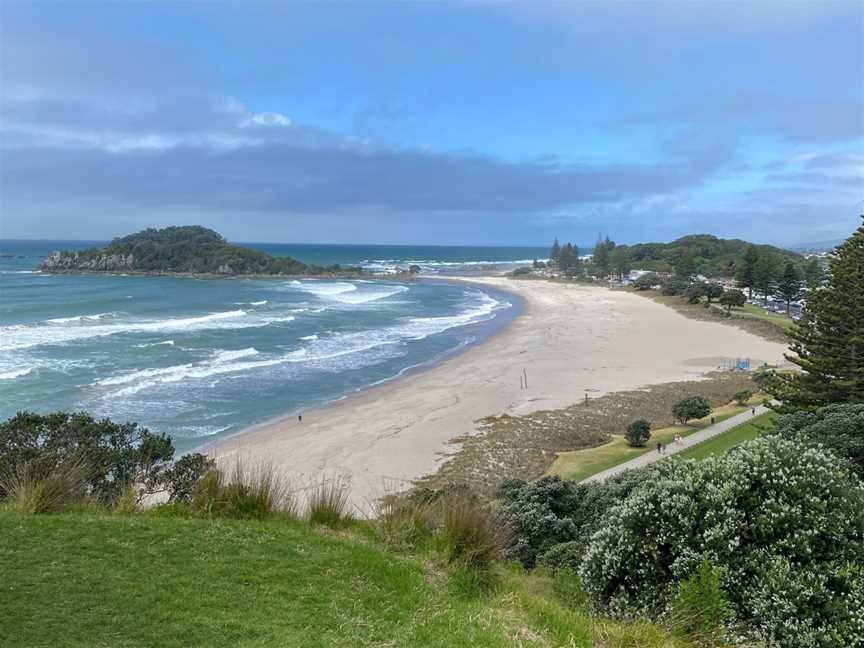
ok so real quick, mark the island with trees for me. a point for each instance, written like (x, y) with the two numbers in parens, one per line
(183, 250)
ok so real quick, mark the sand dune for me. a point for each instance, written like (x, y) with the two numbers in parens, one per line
(569, 339)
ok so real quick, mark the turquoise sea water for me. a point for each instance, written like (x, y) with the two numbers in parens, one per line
(203, 358)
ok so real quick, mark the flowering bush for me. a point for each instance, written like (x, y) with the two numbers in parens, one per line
(840, 428)
(784, 523)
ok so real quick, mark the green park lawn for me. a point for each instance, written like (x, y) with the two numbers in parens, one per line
(581, 464)
(749, 311)
(719, 444)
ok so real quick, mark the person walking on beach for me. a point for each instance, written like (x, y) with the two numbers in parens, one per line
(299, 418)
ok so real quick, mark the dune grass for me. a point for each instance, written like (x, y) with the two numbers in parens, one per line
(737, 435)
(94, 579)
(581, 464)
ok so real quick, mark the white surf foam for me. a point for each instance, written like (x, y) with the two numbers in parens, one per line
(15, 373)
(79, 318)
(322, 289)
(366, 296)
(22, 336)
(482, 308)
(221, 362)
(309, 337)
(152, 344)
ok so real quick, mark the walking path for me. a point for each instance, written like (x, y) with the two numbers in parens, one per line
(673, 448)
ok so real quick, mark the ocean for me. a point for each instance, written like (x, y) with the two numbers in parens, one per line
(203, 358)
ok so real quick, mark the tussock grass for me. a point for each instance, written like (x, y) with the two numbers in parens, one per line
(405, 523)
(31, 488)
(329, 503)
(244, 491)
(474, 536)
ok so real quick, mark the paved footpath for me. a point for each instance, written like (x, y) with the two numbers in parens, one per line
(673, 448)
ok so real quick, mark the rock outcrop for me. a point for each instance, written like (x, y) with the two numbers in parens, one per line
(75, 262)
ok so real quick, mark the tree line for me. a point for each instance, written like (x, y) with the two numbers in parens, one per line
(760, 270)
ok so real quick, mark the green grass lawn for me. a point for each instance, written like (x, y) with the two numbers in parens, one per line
(96, 579)
(749, 311)
(581, 464)
(719, 444)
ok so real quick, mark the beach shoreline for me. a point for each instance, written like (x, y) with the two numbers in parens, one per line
(518, 308)
(568, 341)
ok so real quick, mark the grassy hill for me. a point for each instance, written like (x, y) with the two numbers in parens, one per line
(713, 256)
(97, 579)
(187, 249)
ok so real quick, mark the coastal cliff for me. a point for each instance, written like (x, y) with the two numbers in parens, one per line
(180, 250)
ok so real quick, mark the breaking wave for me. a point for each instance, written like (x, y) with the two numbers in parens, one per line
(22, 336)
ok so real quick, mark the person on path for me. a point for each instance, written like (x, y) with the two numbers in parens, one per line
(659, 448)
(753, 412)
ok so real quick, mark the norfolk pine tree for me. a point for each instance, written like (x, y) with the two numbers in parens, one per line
(828, 341)
(790, 286)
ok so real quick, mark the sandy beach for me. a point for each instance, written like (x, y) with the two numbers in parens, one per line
(570, 339)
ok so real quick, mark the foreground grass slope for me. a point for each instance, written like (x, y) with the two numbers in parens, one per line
(95, 579)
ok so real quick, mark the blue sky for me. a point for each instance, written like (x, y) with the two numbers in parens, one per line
(433, 122)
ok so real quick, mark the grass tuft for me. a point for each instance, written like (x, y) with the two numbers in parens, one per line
(243, 492)
(474, 536)
(329, 503)
(30, 489)
(406, 523)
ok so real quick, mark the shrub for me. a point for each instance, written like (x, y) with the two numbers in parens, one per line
(180, 479)
(256, 492)
(328, 503)
(700, 608)
(116, 454)
(840, 428)
(742, 396)
(693, 407)
(30, 488)
(733, 299)
(552, 511)
(674, 286)
(566, 554)
(784, 523)
(695, 292)
(474, 536)
(638, 433)
(646, 281)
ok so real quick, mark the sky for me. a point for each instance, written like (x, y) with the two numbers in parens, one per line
(499, 123)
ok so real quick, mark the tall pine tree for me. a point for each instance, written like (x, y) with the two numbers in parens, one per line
(813, 273)
(828, 342)
(765, 276)
(746, 273)
(555, 253)
(790, 285)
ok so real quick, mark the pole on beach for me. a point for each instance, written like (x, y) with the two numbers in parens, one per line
(525, 373)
